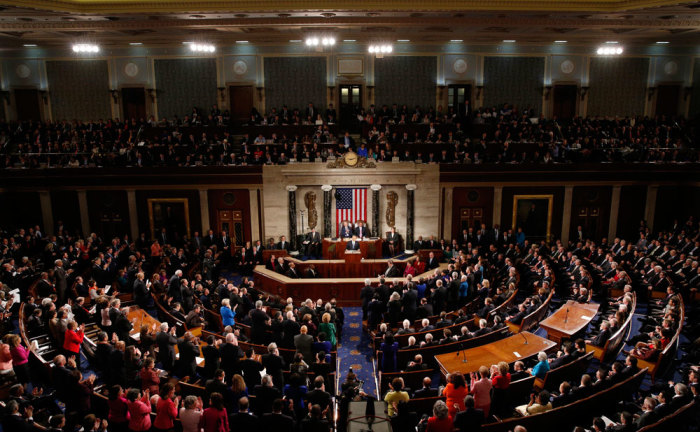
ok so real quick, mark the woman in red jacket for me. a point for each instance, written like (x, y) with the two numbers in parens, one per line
(166, 409)
(139, 410)
(215, 418)
(73, 339)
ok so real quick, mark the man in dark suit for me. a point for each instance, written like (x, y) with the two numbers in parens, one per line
(346, 230)
(348, 141)
(425, 391)
(14, 421)
(602, 336)
(392, 240)
(470, 419)
(563, 359)
(313, 247)
(265, 395)
(353, 244)
(165, 339)
(210, 239)
(311, 272)
(366, 295)
(292, 272)
(361, 230)
(276, 421)
(418, 244)
(432, 261)
(218, 385)
(188, 351)
(648, 415)
(283, 244)
(142, 294)
(391, 270)
(163, 238)
(258, 252)
(311, 111)
(244, 419)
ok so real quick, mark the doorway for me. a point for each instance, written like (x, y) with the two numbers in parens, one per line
(241, 102)
(134, 103)
(27, 102)
(667, 99)
(457, 96)
(231, 221)
(564, 106)
(350, 105)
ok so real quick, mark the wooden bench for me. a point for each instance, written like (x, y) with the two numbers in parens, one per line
(568, 416)
(428, 353)
(567, 372)
(665, 357)
(613, 345)
(423, 405)
(676, 421)
(412, 380)
(437, 333)
(534, 318)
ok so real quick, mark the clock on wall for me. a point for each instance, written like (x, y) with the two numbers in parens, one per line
(351, 158)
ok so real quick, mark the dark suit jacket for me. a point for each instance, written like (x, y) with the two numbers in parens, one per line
(314, 237)
(346, 231)
(392, 272)
(361, 232)
(245, 421)
(602, 337)
(646, 419)
(469, 420)
(276, 422)
(425, 393)
(352, 245)
(284, 246)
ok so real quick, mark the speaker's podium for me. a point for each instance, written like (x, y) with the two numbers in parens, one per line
(353, 263)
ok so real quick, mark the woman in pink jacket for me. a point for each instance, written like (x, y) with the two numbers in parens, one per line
(481, 390)
(139, 410)
(20, 358)
(166, 409)
(7, 374)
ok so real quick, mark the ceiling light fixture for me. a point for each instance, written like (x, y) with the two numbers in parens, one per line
(349, 40)
(403, 40)
(241, 42)
(561, 41)
(662, 42)
(202, 48)
(611, 42)
(85, 48)
(329, 41)
(508, 40)
(609, 51)
(29, 45)
(294, 40)
(135, 43)
(380, 50)
(456, 40)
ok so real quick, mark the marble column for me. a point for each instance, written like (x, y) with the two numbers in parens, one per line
(375, 209)
(204, 211)
(614, 213)
(327, 200)
(292, 197)
(410, 216)
(84, 216)
(133, 213)
(566, 218)
(650, 207)
(497, 204)
(46, 212)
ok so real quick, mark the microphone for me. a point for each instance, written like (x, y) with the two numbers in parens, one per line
(566, 317)
(523, 335)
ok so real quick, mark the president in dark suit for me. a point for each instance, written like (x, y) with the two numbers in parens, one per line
(353, 244)
(313, 244)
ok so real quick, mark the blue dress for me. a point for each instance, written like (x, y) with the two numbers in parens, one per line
(227, 316)
(541, 369)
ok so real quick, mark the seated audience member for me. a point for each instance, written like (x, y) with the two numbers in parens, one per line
(542, 366)
(426, 391)
(538, 404)
(469, 419)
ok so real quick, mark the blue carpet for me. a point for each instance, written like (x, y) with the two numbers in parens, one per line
(355, 352)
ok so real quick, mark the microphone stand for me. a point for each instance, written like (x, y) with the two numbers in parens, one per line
(523, 335)
(566, 317)
(461, 350)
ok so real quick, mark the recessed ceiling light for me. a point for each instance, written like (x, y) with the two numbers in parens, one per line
(610, 42)
(456, 40)
(294, 40)
(242, 42)
(348, 40)
(509, 40)
(403, 40)
(187, 43)
(662, 42)
(30, 45)
(135, 43)
(560, 41)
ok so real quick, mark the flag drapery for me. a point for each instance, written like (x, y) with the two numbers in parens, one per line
(350, 205)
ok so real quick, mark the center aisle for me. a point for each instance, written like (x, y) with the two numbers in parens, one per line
(355, 353)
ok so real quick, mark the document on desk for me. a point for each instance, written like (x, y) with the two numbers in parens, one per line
(517, 354)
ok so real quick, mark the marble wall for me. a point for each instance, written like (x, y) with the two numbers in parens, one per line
(392, 177)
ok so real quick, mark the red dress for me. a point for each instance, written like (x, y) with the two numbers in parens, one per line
(214, 420)
(439, 425)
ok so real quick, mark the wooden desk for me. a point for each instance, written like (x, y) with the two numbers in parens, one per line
(335, 249)
(142, 318)
(561, 325)
(509, 350)
(345, 290)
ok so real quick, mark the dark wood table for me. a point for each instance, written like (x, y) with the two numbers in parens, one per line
(335, 249)
(570, 319)
(509, 350)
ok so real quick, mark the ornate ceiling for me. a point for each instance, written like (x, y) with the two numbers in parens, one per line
(153, 23)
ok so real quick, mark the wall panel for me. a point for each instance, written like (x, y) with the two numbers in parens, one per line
(231, 199)
(108, 211)
(79, 89)
(405, 80)
(65, 208)
(590, 208)
(557, 205)
(631, 212)
(22, 210)
(472, 198)
(172, 221)
(183, 84)
(514, 80)
(295, 81)
(675, 203)
(617, 86)
(694, 110)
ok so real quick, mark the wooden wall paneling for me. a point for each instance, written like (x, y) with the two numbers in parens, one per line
(591, 209)
(231, 199)
(480, 198)
(65, 208)
(20, 209)
(109, 212)
(632, 203)
(675, 202)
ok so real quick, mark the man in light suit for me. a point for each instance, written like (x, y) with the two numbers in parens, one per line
(345, 230)
(361, 230)
(313, 247)
(353, 244)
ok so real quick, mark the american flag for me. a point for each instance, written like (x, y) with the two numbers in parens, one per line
(350, 205)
